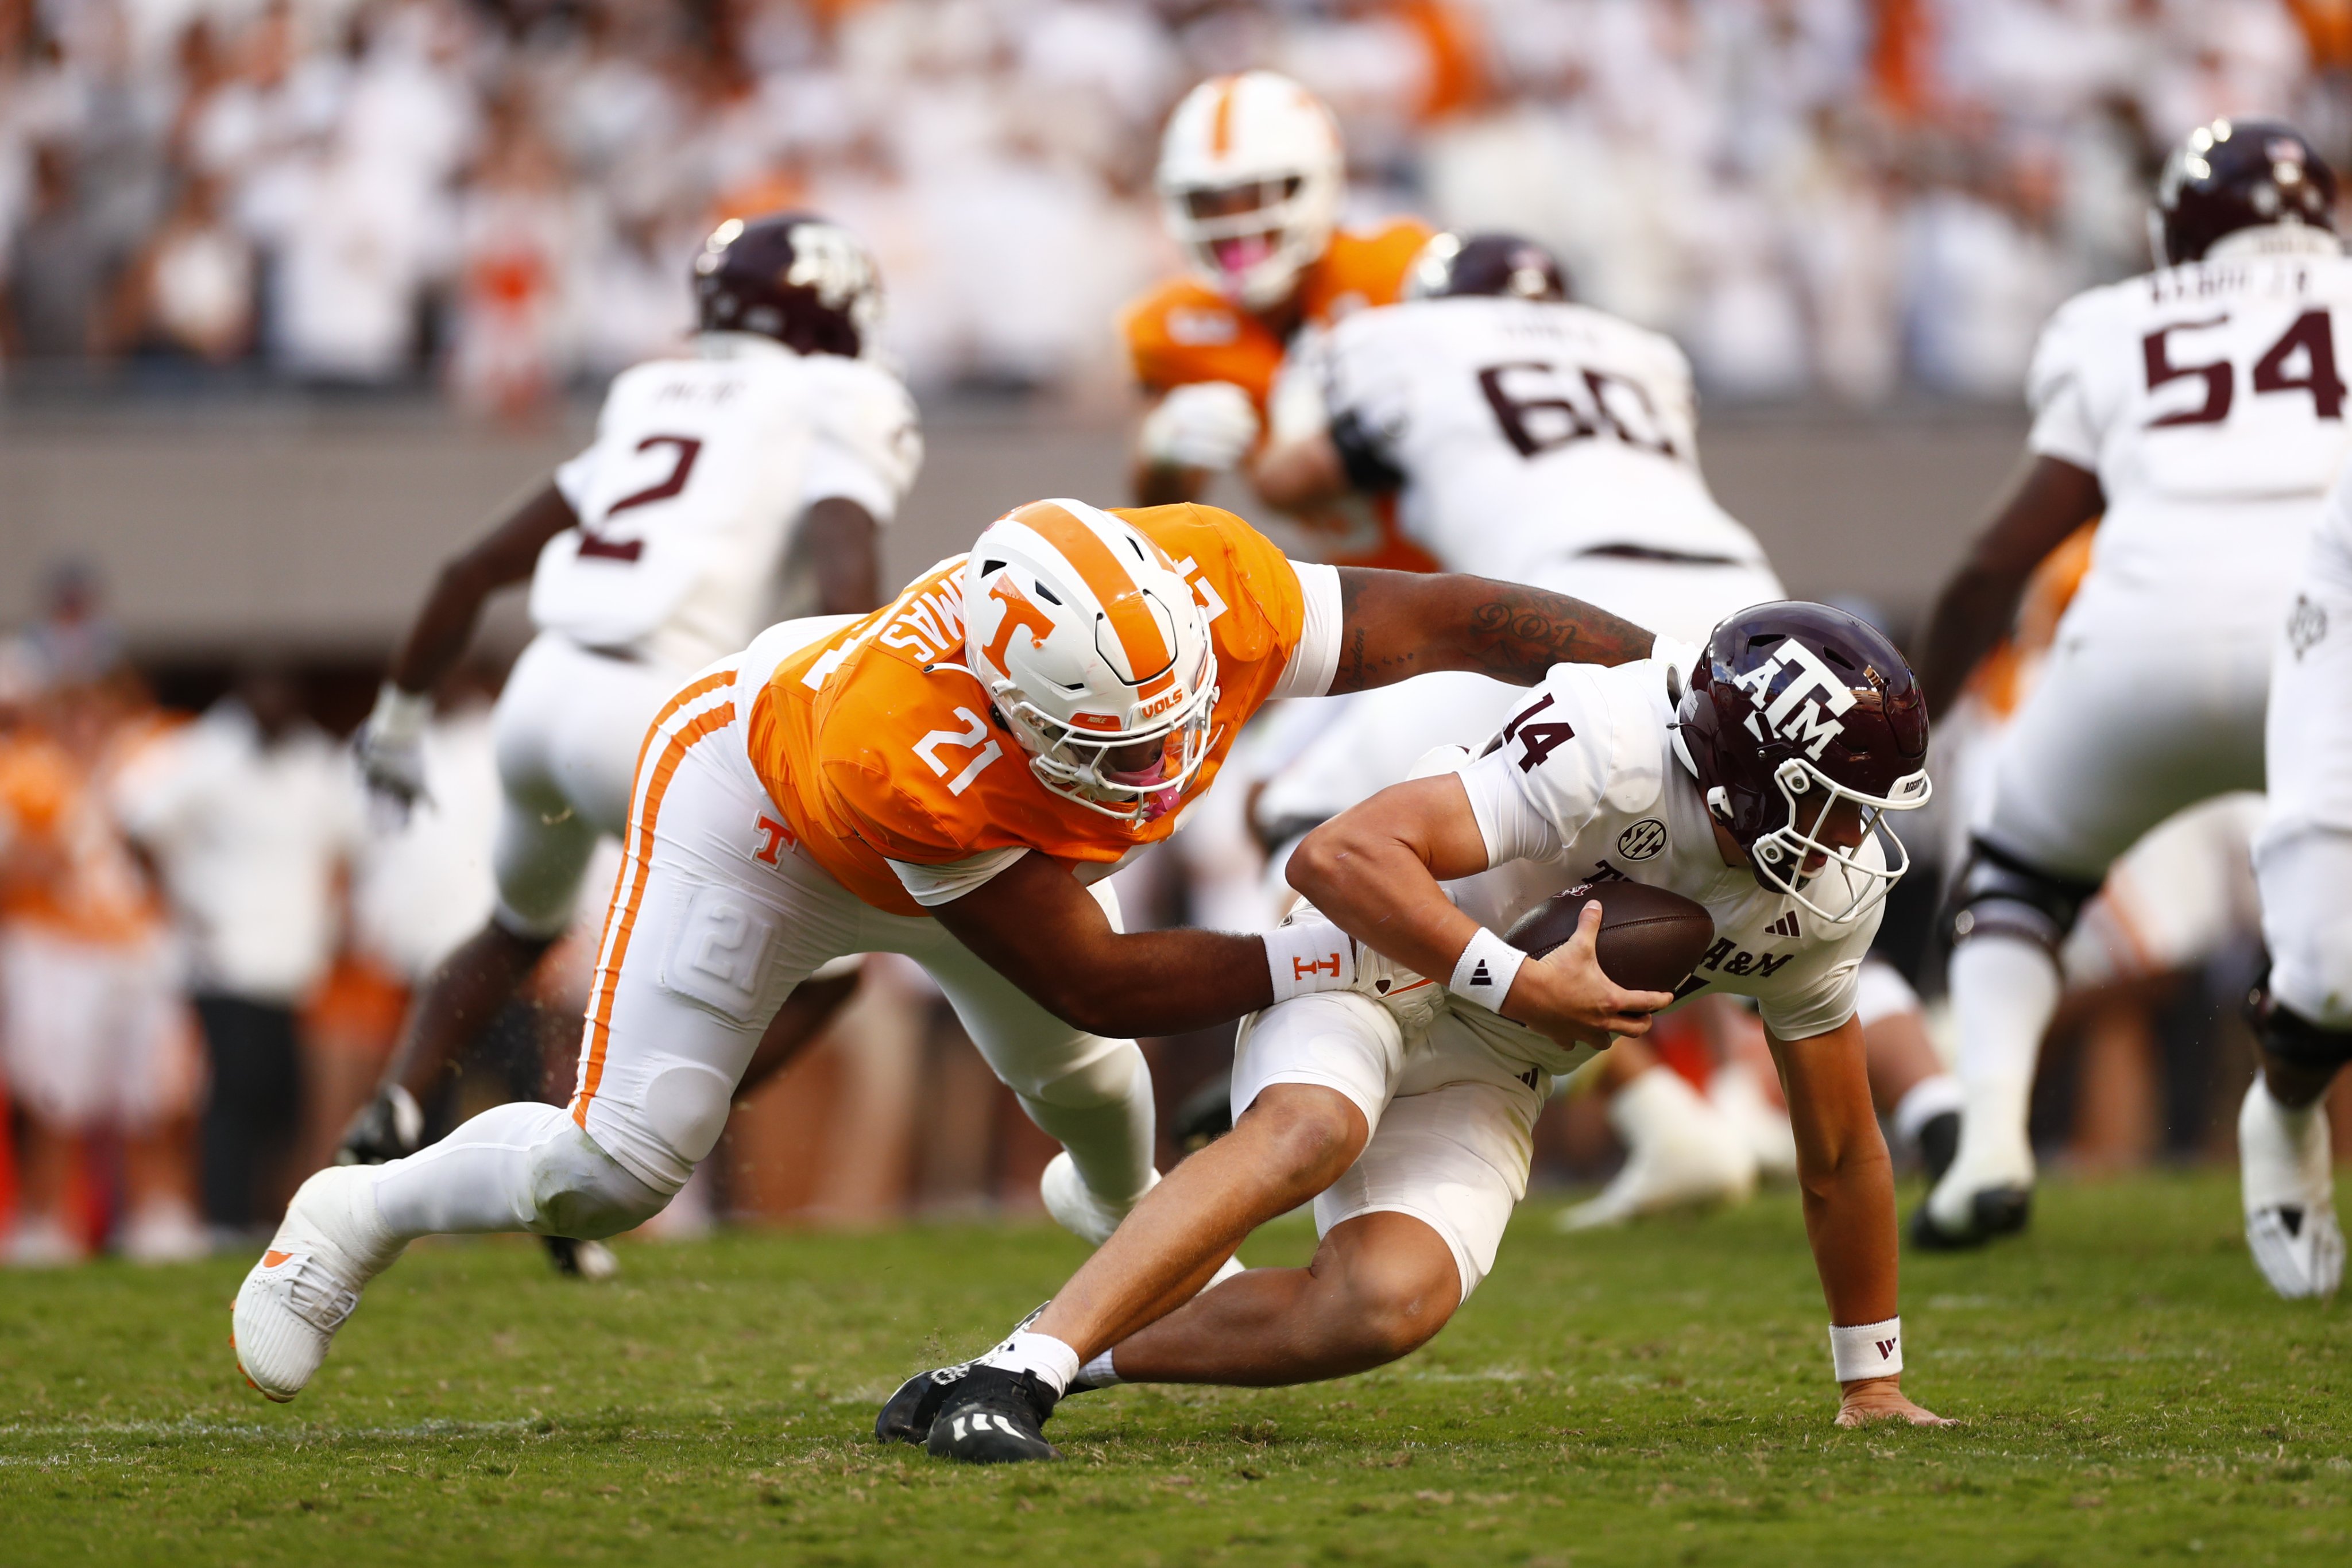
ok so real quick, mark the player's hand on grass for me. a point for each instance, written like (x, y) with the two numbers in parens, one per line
(1566, 996)
(1870, 1399)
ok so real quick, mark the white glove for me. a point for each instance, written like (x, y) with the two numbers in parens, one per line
(1413, 1000)
(1201, 425)
(391, 748)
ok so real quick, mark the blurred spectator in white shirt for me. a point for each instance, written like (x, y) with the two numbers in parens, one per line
(250, 814)
(190, 291)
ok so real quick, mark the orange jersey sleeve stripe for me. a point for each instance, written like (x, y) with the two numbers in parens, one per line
(1148, 653)
(636, 866)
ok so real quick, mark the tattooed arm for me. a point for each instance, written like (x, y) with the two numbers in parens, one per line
(1400, 623)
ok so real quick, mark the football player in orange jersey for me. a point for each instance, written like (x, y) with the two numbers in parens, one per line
(951, 777)
(1251, 178)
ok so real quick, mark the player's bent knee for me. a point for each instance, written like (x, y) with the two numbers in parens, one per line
(579, 1191)
(1111, 1079)
(1310, 1133)
(1999, 894)
(1400, 1280)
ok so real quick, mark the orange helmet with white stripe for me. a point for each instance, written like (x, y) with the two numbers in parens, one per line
(1250, 177)
(1097, 653)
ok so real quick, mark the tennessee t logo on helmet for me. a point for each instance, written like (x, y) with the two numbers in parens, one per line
(1113, 689)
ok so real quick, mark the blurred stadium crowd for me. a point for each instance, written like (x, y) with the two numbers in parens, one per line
(206, 943)
(1832, 196)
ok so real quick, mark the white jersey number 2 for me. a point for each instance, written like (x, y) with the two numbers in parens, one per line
(595, 544)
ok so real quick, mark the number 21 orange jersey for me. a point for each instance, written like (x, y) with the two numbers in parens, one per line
(879, 745)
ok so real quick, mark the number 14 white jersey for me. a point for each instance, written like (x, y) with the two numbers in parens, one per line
(688, 496)
(2209, 398)
(1520, 432)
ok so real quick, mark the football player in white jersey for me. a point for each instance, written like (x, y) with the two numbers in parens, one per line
(1755, 786)
(1536, 440)
(2302, 869)
(2199, 408)
(725, 487)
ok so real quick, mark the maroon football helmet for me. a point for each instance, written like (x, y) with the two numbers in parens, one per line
(1795, 711)
(1501, 264)
(792, 277)
(2236, 174)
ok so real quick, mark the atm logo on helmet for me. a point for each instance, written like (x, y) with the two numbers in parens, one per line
(1798, 713)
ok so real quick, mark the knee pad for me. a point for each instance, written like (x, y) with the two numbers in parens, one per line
(579, 1191)
(2002, 894)
(2296, 1039)
(1110, 1079)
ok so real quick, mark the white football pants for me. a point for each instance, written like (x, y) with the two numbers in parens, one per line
(716, 918)
(2303, 854)
(566, 731)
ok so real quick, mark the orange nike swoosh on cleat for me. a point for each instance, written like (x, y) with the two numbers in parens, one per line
(271, 1259)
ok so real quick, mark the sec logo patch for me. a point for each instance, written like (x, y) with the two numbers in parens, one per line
(1642, 840)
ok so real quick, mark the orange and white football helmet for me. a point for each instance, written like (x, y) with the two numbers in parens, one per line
(1097, 653)
(1250, 177)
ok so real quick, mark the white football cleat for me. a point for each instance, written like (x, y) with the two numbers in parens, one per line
(2287, 1183)
(1988, 1191)
(1680, 1152)
(327, 1248)
(1076, 1209)
(1734, 1091)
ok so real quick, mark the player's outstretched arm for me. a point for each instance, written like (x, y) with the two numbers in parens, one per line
(437, 637)
(1848, 1183)
(2048, 499)
(390, 746)
(1374, 870)
(842, 547)
(1396, 625)
(1035, 925)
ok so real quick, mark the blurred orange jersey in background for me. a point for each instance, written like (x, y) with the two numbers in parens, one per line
(1184, 332)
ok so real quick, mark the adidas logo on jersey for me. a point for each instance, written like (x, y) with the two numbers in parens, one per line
(1785, 927)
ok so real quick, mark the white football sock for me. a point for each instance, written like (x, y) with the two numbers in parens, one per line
(523, 1167)
(1054, 1362)
(2282, 1153)
(1923, 1102)
(1109, 1137)
(2004, 991)
(1096, 1374)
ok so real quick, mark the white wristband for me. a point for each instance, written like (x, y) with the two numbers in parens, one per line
(1485, 971)
(1309, 955)
(399, 717)
(1866, 1350)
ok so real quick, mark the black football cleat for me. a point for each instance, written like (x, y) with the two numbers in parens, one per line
(389, 1126)
(1998, 1210)
(991, 1416)
(906, 1415)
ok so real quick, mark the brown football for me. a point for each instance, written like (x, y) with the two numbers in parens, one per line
(1650, 938)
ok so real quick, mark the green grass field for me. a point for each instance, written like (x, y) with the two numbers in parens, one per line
(2130, 1392)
